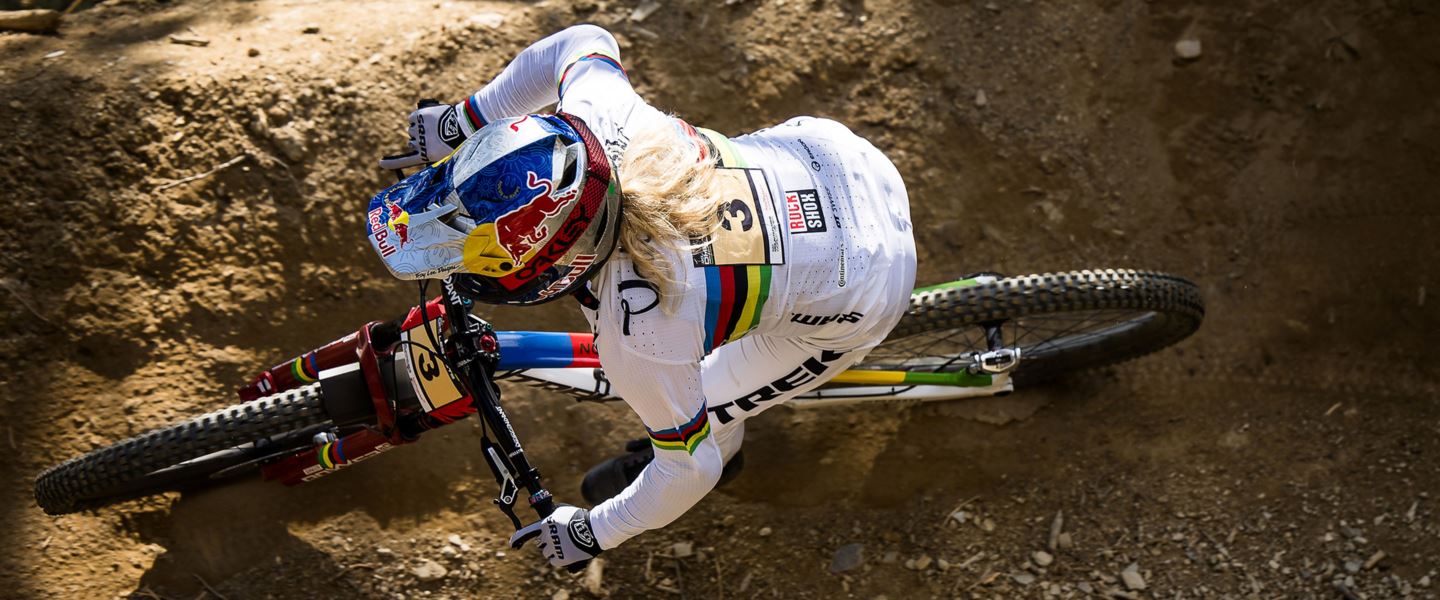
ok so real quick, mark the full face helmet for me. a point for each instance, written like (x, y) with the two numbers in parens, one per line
(525, 211)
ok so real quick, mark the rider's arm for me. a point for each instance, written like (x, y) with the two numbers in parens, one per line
(543, 73)
(668, 397)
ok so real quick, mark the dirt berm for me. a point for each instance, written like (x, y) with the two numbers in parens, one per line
(1289, 449)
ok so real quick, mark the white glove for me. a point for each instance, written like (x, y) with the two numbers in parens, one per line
(566, 539)
(435, 132)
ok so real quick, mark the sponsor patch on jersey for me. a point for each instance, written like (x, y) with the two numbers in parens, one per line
(803, 212)
(749, 232)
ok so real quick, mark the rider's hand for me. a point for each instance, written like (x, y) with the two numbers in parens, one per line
(565, 537)
(435, 132)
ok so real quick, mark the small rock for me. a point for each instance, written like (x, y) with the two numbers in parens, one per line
(560, 595)
(1374, 559)
(1085, 587)
(923, 562)
(682, 549)
(847, 557)
(55, 54)
(1042, 558)
(988, 525)
(644, 10)
(311, 29)
(595, 577)
(766, 531)
(290, 142)
(488, 20)
(33, 21)
(1353, 566)
(1064, 541)
(384, 552)
(1187, 49)
(890, 557)
(1023, 578)
(253, 52)
(429, 570)
(942, 564)
(1132, 578)
(458, 542)
(186, 40)
(981, 99)
(1424, 582)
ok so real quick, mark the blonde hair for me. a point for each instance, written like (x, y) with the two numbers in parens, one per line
(670, 200)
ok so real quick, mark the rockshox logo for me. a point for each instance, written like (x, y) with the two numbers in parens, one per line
(803, 212)
(817, 320)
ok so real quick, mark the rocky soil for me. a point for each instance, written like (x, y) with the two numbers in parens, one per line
(184, 191)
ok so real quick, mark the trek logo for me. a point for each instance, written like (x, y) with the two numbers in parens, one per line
(817, 320)
(520, 230)
(803, 212)
(806, 373)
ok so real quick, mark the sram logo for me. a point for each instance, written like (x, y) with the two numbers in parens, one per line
(817, 320)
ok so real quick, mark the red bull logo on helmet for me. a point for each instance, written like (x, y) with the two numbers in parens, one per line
(399, 223)
(379, 232)
(521, 230)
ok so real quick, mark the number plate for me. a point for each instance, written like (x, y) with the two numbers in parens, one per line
(434, 383)
(749, 232)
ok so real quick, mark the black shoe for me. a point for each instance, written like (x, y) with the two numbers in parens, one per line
(607, 479)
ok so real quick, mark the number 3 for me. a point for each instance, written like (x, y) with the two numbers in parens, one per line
(737, 208)
(427, 366)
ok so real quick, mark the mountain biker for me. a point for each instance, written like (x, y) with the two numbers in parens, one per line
(720, 276)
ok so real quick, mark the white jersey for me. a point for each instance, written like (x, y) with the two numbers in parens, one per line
(812, 266)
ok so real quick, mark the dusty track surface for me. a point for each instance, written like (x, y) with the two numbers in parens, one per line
(1291, 170)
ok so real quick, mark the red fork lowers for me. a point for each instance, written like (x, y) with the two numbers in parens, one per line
(300, 370)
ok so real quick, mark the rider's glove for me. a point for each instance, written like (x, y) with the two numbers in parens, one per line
(435, 132)
(565, 537)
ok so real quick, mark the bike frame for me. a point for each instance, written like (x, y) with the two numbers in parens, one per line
(562, 362)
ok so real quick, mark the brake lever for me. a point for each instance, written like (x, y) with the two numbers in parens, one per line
(400, 172)
(505, 499)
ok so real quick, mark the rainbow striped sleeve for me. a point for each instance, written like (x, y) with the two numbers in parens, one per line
(686, 437)
(473, 117)
(600, 57)
(735, 299)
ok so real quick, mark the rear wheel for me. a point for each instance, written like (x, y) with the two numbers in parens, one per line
(1061, 322)
(220, 445)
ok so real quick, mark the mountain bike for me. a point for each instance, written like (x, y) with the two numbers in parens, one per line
(390, 382)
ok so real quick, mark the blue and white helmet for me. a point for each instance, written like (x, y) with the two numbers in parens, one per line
(528, 207)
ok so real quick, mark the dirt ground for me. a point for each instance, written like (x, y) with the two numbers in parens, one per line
(1288, 450)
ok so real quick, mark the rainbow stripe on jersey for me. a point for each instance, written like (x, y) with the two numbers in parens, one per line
(592, 56)
(735, 295)
(735, 299)
(686, 437)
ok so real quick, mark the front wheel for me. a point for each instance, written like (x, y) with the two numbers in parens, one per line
(1061, 322)
(214, 446)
